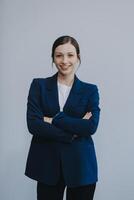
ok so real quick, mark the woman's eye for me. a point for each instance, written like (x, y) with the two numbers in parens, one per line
(58, 55)
(70, 55)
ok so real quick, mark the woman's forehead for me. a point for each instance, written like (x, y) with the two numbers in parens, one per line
(65, 48)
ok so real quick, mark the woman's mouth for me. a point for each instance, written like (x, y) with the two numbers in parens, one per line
(64, 67)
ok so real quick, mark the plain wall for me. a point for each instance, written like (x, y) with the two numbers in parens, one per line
(105, 32)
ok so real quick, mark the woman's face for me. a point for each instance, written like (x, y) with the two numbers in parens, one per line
(65, 59)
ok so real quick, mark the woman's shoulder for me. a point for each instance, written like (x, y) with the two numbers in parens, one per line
(39, 79)
(42, 82)
(89, 85)
(36, 83)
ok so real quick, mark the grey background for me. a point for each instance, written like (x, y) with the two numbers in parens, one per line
(105, 32)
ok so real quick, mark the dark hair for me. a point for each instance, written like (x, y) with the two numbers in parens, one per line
(63, 40)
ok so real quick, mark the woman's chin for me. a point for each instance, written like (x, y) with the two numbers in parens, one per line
(65, 72)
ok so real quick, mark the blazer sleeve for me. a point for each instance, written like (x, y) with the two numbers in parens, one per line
(81, 127)
(35, 122)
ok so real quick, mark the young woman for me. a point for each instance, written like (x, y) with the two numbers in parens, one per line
(62, 115)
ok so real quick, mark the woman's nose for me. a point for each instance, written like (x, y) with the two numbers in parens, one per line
(65, 59)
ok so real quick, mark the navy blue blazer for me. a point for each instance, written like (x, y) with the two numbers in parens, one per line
(53, 145)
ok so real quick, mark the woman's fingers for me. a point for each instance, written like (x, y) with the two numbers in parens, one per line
(44, 118)
(48, 119)
(87, 115)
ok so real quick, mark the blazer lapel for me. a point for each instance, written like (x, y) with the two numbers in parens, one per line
(74, 96)
(52, 95)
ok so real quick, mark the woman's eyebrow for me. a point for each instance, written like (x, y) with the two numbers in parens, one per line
(61, 52)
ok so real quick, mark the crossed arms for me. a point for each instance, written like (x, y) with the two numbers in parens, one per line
(50, 120)
(61, 128)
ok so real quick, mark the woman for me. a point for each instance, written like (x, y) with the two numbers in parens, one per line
(62, 115)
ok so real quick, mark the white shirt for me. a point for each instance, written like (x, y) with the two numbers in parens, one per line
(63, 93)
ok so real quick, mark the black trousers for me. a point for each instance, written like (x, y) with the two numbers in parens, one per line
(56, 192)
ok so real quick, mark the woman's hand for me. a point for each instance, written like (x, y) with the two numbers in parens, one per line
(86, 116)
(47, 119)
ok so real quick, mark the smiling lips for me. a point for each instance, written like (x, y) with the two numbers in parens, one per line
(64, 67)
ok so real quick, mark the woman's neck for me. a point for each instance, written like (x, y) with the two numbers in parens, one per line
(67, 80)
